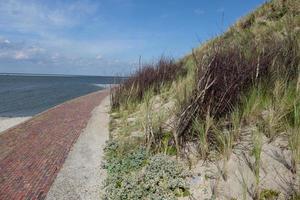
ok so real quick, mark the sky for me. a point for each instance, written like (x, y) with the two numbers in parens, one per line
(107, 37)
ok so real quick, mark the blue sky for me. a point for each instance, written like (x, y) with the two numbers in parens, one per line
(106, 37)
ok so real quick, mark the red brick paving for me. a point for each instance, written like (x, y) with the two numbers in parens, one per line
(32, 153)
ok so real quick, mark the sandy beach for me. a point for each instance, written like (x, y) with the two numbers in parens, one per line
(8, 122)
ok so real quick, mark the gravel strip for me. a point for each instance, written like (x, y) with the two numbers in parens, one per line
(81, 175)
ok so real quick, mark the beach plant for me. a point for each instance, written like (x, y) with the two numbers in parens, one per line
(295, 196)
(294, 138)
(248, 77)
(253, 103)
(256, 152)
(243, 182)
(202, 129)
(261, 55)
(225, 144)
(148, 76)
(278, 109)
(148, 120)
(168, 149)
(124, 164)
(236, 123)
(221, 72)
(268, 194)
(153, 119)
(183, 87)
(137, 176)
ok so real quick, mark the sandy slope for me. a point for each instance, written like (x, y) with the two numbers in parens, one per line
(6, 123)
(275, 175)
(81, 175)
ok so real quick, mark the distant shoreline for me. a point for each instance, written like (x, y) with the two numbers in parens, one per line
(27, 94)
(18, 118)
(7, 122)
(59, 75)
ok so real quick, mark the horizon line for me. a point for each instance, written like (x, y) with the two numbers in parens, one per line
(65, 75)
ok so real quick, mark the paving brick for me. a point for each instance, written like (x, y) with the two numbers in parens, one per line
(32, 153)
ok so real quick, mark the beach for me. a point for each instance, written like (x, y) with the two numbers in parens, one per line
(9, 122)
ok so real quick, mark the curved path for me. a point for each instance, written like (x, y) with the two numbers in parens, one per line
(81, 176)
(32, 153)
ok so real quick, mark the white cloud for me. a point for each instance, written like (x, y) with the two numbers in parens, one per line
(99, 57)
(55, 56)
(21, 55)
(6, 41)
(42, 34)
(20, 50)
(36, 17)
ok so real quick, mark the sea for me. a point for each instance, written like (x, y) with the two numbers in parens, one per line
(27, 94)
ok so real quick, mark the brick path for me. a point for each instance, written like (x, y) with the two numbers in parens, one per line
(32, 153)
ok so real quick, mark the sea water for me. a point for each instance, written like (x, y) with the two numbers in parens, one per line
(27, 95)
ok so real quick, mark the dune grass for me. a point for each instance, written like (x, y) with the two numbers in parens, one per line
(261, 49)
(148, 77)
(247, 77)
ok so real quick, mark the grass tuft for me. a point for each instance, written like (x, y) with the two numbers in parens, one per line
(148, 77)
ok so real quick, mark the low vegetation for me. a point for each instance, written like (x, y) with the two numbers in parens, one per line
(237, 94)
(138, 175)
(149, 77)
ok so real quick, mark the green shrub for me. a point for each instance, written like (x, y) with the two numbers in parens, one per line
(149, 76)
(128, 163)
(268, 195)
(136, 176)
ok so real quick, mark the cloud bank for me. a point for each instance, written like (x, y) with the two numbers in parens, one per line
(38, 36)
